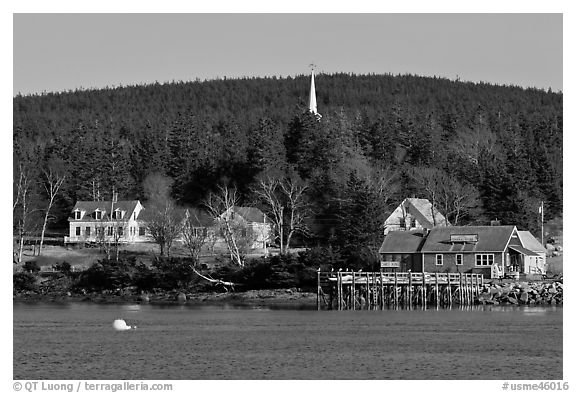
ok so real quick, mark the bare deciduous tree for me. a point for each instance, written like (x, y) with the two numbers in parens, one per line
(164, 225)
(237, 236)
(454, 199)
(286, 207)
(23, 188)
(52, 185)
(193, 236)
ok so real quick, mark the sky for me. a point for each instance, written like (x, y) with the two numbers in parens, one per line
(59, 52)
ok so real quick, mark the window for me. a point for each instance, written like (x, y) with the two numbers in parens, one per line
(459, 259)
(484, 259)
(117, 214)
(413, 223)
(77, 231)
(98, 214)
(439, 259)
(402, 222)
(110, 231)
(87, 231)
(77, 214)
(120, 231)
(142, 231)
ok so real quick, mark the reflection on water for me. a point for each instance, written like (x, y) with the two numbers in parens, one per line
(231, 341)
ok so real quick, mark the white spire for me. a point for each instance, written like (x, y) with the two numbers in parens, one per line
(313, 107)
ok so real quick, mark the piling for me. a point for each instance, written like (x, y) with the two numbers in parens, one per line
(318, 290)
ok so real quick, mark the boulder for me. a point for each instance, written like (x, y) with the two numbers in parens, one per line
(485, 297)
(524, 297)
(181, 297)
(512, 299)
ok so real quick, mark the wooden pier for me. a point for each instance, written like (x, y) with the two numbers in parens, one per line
(348, 290)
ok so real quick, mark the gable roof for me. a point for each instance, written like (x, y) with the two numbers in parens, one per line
(421, 208)
(530, 242)
(490, 239)
(402, 242)
(89, 207)
(250, 214)
(199, 218)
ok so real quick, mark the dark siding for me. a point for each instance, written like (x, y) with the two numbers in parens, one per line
(449, 266)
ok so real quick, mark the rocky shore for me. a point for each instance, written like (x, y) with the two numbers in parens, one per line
(292, 296)
(522, 293)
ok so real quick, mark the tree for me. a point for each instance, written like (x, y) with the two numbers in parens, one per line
(363, 211)
(459, 201)
(431, 181)
(24, 207)
(164, 225)
(237, 236)
(164, 222)
(286, 206)
(456, 200)
(193, 236)
(53, 182)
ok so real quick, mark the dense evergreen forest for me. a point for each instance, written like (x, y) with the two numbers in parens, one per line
(480, 151)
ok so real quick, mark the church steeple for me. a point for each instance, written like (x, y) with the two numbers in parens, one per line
(312, 107)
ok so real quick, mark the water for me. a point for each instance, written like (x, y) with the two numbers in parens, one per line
(76, 341)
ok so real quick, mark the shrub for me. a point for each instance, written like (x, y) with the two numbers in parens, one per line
(174, 273)
(63, 267)
(24, 281)
(108, 274)
(31, 267)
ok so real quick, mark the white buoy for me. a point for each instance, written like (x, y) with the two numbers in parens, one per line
(120, 324)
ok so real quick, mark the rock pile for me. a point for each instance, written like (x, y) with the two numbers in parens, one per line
(522, 293)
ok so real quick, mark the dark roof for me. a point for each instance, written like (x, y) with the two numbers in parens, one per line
(200, 218)
(89, 207)
(145, 215)
(490, 238)
(250, 214)
(404, 242)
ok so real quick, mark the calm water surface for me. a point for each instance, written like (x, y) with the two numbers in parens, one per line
(76, 341)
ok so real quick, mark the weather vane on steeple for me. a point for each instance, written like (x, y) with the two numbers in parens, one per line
(312, 106)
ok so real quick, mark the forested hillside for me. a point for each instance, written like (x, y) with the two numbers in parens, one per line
(479, 151)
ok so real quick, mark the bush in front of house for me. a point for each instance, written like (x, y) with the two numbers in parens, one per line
(31, 267)
(107, 274)
(278, 271)
(171, 273)
(63, 267)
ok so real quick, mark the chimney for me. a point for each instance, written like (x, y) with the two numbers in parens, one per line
(114, 197)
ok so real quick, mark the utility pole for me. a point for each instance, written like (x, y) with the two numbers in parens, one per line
(542, 221)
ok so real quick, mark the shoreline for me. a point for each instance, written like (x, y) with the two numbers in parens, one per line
(264, 297)
(494, 293)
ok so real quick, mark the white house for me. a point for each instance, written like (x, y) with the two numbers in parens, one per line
(255, 220)
(533, 264)
(94, 221)
(412, 214)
